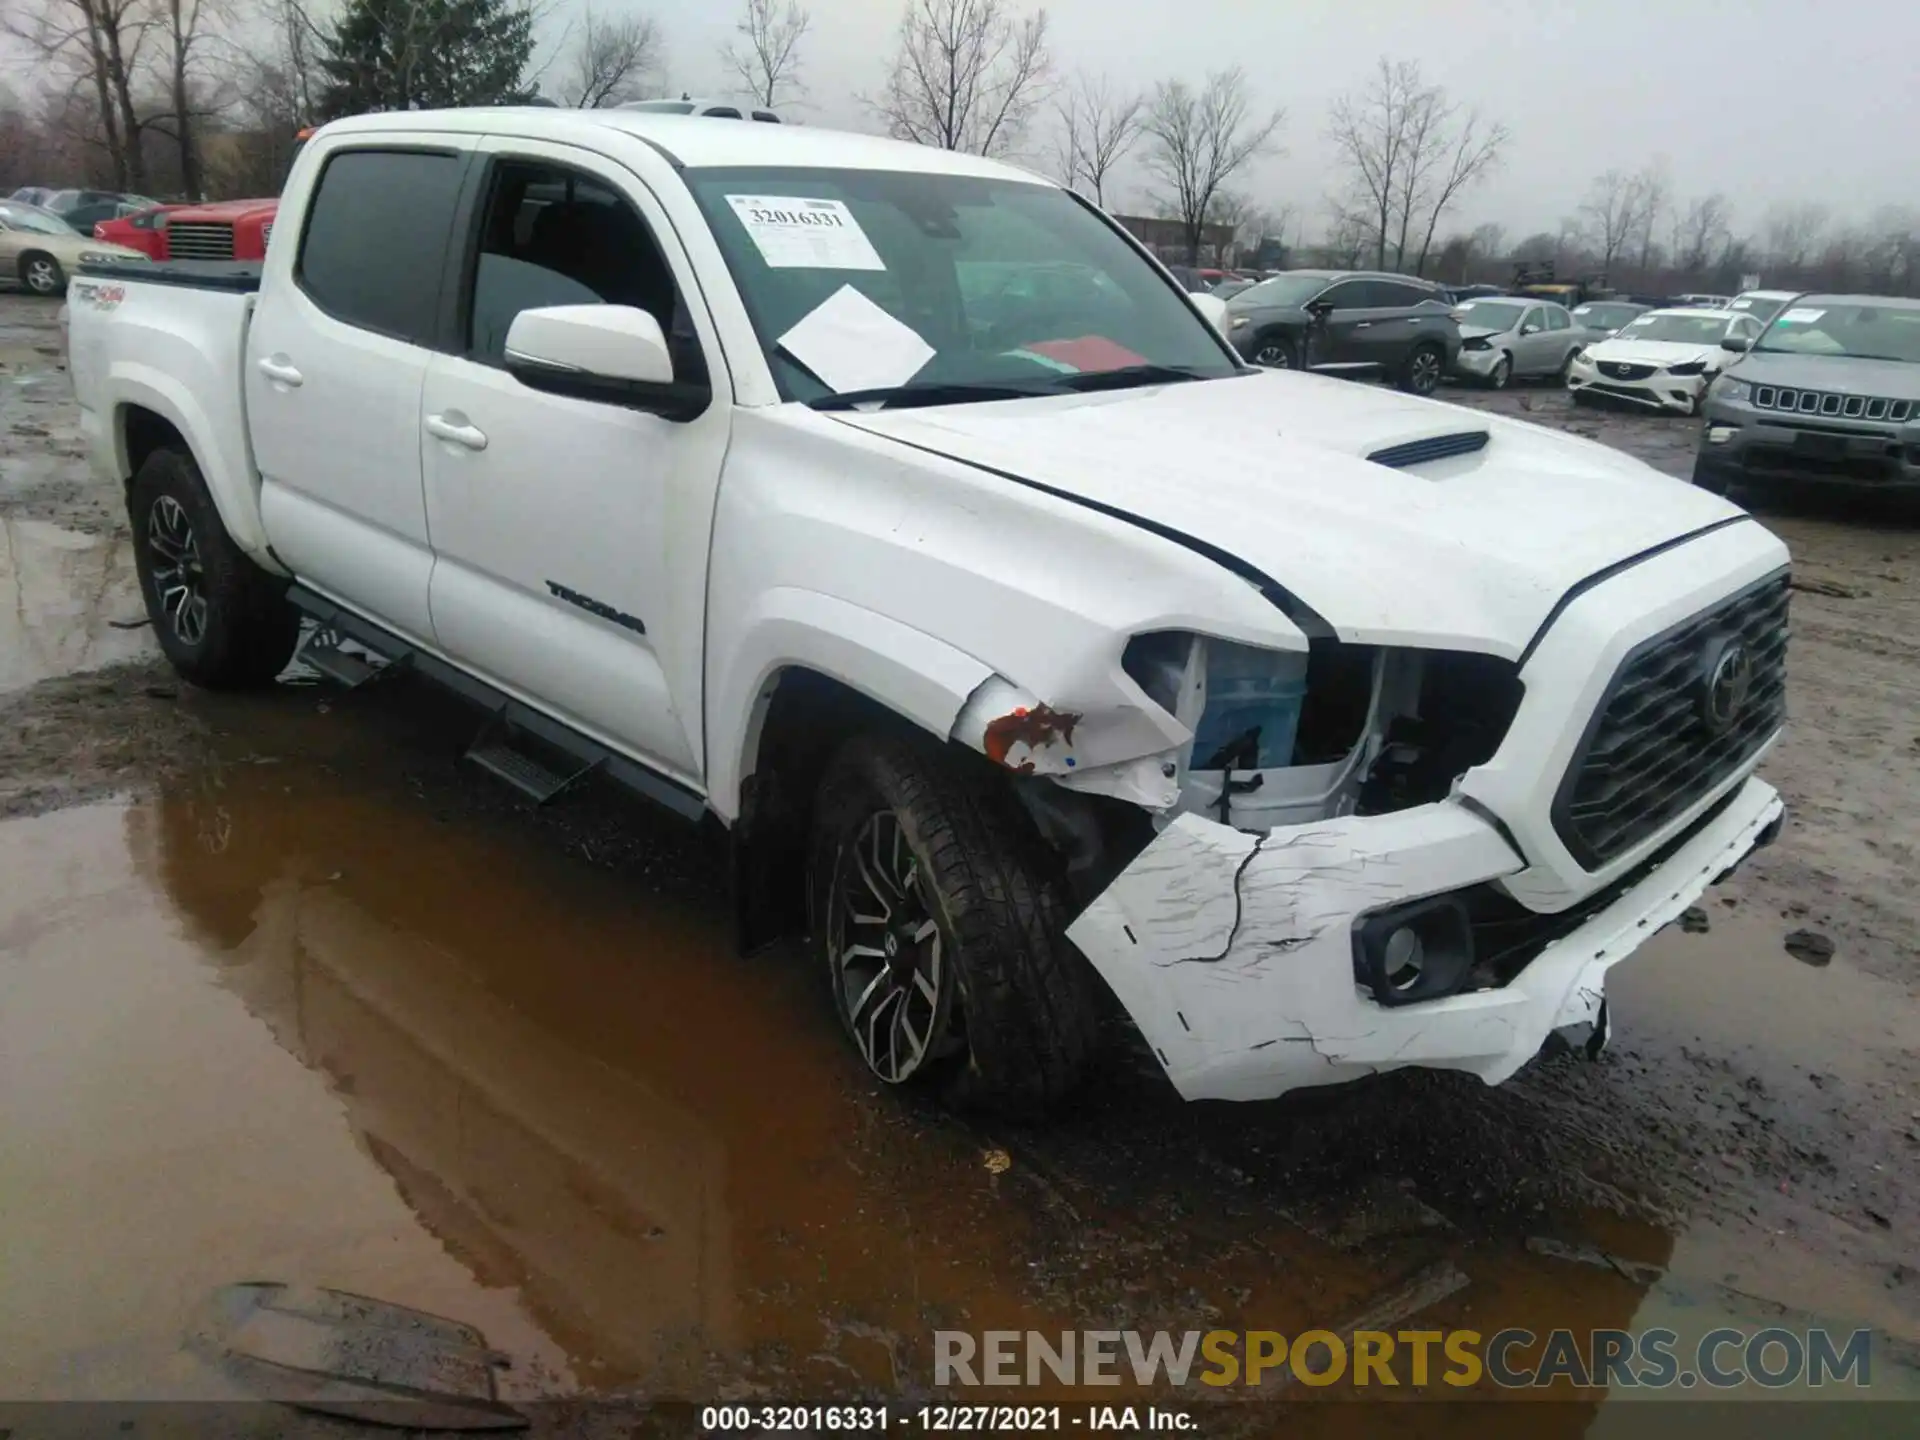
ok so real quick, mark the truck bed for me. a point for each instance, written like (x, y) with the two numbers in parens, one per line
(239, 276)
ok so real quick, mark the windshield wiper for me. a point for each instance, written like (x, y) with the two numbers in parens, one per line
(1126, 378)
(951, 393)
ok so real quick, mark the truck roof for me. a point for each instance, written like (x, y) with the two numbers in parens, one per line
(694, 141)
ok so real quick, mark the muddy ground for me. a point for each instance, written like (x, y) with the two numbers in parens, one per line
(288, 992)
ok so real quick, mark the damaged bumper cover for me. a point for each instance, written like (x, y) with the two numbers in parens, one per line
(1233, 952)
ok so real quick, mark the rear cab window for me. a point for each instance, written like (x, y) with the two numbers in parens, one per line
(374, 250)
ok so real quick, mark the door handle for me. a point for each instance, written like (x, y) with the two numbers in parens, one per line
(279, 371)
(456, 432)
(1361, 324)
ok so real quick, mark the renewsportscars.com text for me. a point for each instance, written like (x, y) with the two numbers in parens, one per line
(1772, 1357)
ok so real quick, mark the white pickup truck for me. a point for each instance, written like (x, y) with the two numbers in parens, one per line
(1046, 663)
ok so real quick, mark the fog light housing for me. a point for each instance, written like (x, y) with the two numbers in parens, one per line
(1415, 952)
(1719, 434)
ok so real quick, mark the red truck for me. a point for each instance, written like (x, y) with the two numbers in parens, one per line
(222, 230)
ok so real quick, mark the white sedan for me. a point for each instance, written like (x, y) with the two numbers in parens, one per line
(1664, 359)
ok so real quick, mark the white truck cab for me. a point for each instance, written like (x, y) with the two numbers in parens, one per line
(895, 508)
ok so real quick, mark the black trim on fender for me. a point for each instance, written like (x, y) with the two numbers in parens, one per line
(1310, 621)
(1600, 577)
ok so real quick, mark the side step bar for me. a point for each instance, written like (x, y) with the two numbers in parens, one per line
(501, 748)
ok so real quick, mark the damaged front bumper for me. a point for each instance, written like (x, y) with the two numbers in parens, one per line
(1234, 952)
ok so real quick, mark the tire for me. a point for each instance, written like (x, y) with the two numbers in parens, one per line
(1275, 352)
(41, 273)
(1420, 373)
(1713, 479)
(1566, 365)
(1502, 373)
(974, 912)
(222, 621)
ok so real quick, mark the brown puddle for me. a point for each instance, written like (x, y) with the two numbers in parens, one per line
(60, 592)
(268, 1025)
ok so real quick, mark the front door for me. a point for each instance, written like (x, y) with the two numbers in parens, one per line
(571, 536)
(335, 359)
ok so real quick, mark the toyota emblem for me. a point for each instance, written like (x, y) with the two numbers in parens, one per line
(1729, 680)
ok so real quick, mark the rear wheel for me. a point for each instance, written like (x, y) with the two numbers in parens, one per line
(222, 621)
(939, 921)
(42, 274)
(1420, 375)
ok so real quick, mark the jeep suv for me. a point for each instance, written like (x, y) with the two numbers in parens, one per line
(1347, 321)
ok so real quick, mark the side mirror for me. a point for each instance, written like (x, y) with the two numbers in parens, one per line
(615, 354)
(1737, 344)
(1213, 309)
(1530, 329)
(1319, 309)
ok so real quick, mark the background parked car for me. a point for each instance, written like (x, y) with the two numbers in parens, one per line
(142, 230)
(83, 217)
(1232, 286)
(1347, 321)
(1601, 318)
(1700, 302)
(229, 230)
(1664, 360)
(39, 249)
(687, 105)
(32, 195)
(1763, 305)
(1509, 339)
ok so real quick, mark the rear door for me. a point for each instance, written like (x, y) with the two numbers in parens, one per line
(1533, 343)
(336, 357)
(571, 536)
(1388, 322)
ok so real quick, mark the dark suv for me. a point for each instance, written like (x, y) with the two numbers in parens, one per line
(1347, 321)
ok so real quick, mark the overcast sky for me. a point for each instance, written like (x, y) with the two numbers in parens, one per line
(1765, 100)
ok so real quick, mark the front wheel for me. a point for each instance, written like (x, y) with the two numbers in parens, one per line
(1421, 374)
(1501, 374)
(939, 922)
(1275, 353)
(1713, 479)
(42, 274)
(222, 621)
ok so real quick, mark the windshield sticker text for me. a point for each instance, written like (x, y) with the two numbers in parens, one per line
(800, 234)
(1799, 317)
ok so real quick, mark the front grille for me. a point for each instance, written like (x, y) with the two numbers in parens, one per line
(1652, 751)
(1620, 370)
(1830, 403)
(199, 240)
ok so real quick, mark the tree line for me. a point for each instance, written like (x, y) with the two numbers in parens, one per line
(187, 96)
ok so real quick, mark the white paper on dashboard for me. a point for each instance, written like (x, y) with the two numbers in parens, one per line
(792, 233)
(850, 343)
(1801, 317)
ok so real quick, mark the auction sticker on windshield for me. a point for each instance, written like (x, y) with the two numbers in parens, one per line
(793, 233)
(1799, 317)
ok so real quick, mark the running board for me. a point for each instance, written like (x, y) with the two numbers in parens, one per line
(506, 714)
(322, 652)
(503, 752)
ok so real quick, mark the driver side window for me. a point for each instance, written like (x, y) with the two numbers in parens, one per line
(553, 236)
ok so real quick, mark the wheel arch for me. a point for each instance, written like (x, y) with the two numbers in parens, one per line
(153, 410)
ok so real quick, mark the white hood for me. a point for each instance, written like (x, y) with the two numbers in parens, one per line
(1470, 552)
(1661, 353)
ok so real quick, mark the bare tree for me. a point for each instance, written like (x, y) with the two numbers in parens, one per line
(1792, 232)
(611, 61)
(1098, 126)
(1487, 242)
(1199, 140)
(1409, 152)
(184, 27)
(1610, 214)
(966, 75)
(1652, 195)
(1699, 232)
(95, 46)
(766, 51)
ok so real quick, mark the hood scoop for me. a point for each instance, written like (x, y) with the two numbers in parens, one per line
(1429, 448)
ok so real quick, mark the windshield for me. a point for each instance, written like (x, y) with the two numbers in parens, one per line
(1865, 332)
(38, 221)
(1492, 314)
(1291, 289)
(860, 280)
(1703, 329)
(1605, 317)
(1761, 307)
